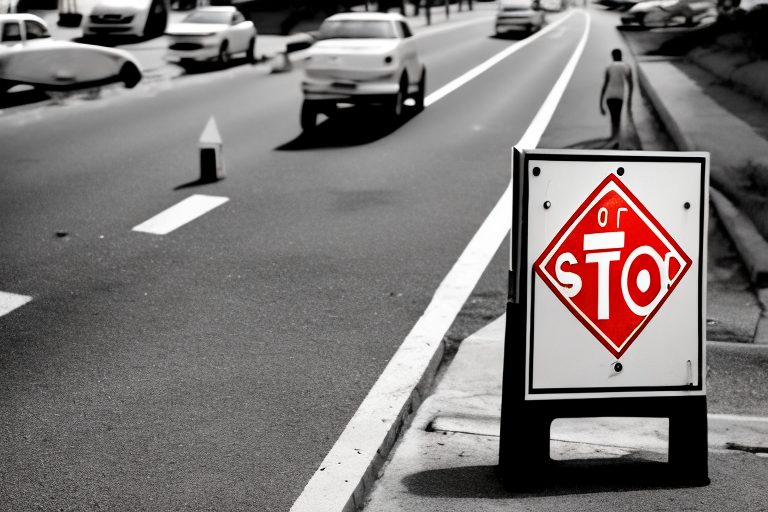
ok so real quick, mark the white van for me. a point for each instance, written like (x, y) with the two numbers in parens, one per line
(142, 18)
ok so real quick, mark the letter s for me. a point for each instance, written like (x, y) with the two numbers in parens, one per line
(571, 282)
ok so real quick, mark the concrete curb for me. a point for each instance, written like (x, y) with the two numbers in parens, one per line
(682, 142)
(750, 244)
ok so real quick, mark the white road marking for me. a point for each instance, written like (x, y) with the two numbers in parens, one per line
(488, 64)
(340, 481)
(179, 214)
(736, 417)
(11, 301)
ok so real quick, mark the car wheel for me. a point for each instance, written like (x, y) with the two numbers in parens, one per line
(421, 91)
(223, 57)
(157, 20)
(399, 100)
(130, 75)
(250, 53)
(309, 113)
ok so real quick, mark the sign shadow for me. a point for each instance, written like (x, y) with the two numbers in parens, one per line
(563, 478)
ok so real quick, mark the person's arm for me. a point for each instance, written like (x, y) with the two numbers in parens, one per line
(602, 93)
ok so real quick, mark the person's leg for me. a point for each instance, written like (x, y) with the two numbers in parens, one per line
(614, 107)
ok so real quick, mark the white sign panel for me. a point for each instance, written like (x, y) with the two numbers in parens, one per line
(616, 262)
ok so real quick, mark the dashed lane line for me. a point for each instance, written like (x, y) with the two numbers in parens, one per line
(11, 301)
(179, 214)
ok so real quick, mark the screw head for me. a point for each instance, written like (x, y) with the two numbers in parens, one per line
(536, 171)
(687, 205)
(547, 204)
(617, 367)
(620, 171)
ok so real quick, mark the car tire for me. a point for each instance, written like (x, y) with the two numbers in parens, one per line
(129, 75)
(157, 20)
(250, 53)
(398, 102)
(223, 57)
(309, 113)
(421, 91)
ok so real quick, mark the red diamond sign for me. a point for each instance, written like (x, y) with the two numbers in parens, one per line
(613, 265)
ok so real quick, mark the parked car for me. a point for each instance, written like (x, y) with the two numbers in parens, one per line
(212, 33)
(138, 18)
(552, 5)
(663, 13)
(362, 58)
(28, 55)
(519, 15)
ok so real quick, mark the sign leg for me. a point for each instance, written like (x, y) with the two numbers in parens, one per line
(688, 440)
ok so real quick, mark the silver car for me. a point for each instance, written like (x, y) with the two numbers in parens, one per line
(519, 16)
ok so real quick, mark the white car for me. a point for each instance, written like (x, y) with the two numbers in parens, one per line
(212, 33)
(136, 18)
(28, 55)
(519, 16)
(362, 58)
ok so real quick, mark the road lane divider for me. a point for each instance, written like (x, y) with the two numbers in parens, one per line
(179, 214)
(349, 470)
(11, 301)
(492, 61)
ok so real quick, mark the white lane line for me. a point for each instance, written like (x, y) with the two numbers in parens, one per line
(179, 214)
(340, 482)
(11, 301)
(532, 135)
(736, 417)
(488, 64)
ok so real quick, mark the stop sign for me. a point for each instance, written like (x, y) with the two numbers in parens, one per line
(612, 265)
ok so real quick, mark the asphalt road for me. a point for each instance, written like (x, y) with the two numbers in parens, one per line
(213, 367)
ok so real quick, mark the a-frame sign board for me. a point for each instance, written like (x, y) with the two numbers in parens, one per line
(606, 310)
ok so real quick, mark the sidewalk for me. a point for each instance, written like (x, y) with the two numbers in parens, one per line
(446, 461)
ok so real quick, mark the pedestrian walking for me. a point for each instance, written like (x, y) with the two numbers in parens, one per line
(617, 74)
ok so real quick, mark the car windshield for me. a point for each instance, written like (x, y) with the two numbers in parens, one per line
(357, 29)
(208, 17)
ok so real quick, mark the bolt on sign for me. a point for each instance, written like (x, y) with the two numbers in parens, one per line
(615, 252)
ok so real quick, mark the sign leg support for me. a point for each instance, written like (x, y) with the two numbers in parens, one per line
(688, 450)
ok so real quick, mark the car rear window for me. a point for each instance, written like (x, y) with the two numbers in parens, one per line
(11, 32)
(357, 29)
(209, 17)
